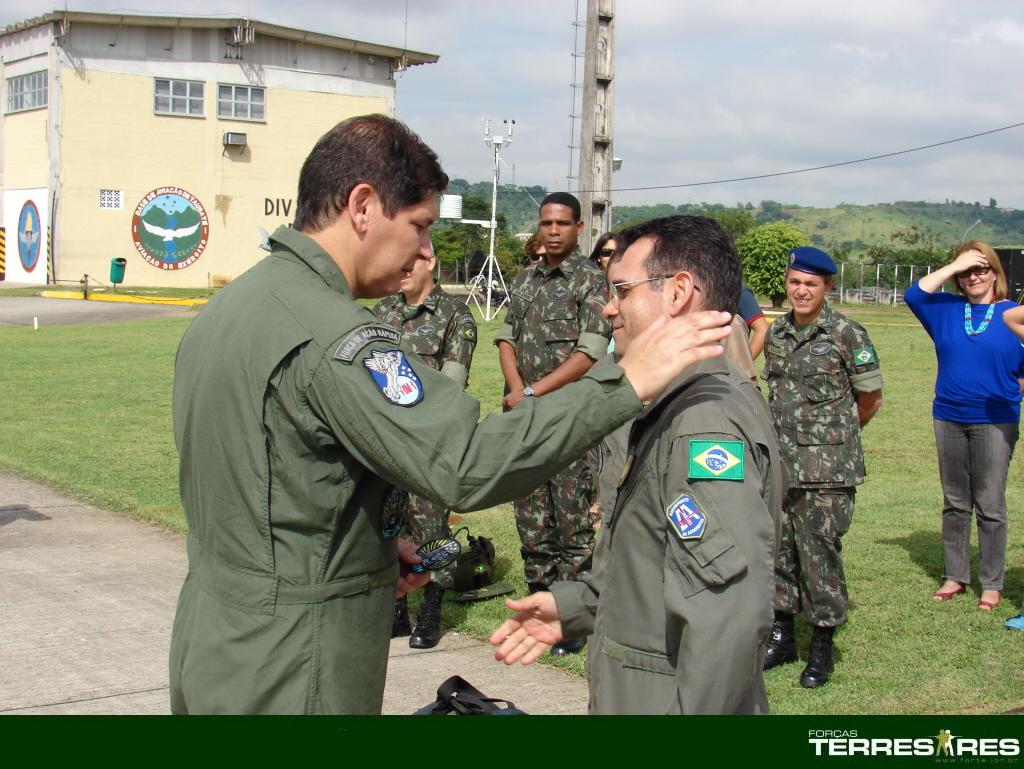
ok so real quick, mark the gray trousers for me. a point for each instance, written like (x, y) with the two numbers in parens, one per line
(973, 463)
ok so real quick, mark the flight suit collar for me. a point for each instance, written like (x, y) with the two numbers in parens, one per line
(700, 369)
(289, 243)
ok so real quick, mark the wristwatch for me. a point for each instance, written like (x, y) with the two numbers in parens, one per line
(528, 391)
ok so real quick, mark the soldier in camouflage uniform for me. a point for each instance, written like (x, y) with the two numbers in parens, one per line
(553, 333)
(824, 385)
(442, 331)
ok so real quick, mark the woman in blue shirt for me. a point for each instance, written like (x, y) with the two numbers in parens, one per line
(976, 411)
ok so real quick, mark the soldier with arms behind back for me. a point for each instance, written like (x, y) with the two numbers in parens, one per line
(824, 385)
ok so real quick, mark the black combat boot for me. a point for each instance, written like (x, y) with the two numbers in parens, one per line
(400, 625)
(819, 663)
(428, 633)
(565, 648)
(782, 644)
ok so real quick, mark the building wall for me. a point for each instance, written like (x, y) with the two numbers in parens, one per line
(26, 149)
(112, 140)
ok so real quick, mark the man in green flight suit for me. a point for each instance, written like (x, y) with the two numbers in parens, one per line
(553, 333)
(678, 605)
(296, 411)
(824, 385)
(441, 330)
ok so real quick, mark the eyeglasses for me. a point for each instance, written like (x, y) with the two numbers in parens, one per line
(606, 252)
(616, 289)
(981, 272)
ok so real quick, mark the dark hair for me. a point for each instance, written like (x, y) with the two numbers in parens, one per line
(699, 245)
(371, 149)
(564, 199)
(595, 254)
(531, 245)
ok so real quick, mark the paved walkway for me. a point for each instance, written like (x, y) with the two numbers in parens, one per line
(87, 599)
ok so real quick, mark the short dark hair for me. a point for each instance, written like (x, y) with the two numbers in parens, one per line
(371, 149)
(696, 244)
(563, 199)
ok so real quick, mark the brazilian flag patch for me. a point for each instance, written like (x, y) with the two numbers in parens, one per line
(864, 356)
(716, 460)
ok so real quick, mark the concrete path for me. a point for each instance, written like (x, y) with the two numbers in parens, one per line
(20, 311)
(87, 599)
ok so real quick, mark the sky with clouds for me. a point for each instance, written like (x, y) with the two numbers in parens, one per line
(705, 90)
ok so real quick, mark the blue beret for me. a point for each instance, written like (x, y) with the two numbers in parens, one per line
(812, 260)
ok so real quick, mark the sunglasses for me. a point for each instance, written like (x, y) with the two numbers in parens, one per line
(981, 272)
(606, 252)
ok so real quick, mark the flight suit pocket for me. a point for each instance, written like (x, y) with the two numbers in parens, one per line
(633, 681)
(712, 561)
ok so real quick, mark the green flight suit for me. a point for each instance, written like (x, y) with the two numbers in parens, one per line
(442, 331)
(814, 375)
(294, 412)
(554, 312)
(678, 616)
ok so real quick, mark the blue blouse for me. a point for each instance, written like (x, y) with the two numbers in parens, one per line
(977, 376)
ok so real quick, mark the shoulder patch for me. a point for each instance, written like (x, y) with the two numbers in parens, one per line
(717, 460)
(864, 356)
(350, 346)
(686, 518)
(394, 377)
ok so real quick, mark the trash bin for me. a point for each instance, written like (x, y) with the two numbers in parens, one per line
(117, 266)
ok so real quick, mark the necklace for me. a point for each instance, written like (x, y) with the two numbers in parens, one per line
(969, 325)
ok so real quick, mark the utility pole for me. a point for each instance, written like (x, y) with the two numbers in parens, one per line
(596, 160)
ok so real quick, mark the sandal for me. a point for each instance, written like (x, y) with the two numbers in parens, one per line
(947, 595)
(990, 605)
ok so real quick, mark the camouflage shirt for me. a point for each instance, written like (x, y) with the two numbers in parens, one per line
(813, 377)
(554, 312)
(442, 330)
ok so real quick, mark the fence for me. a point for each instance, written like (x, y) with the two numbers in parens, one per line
(875, 283)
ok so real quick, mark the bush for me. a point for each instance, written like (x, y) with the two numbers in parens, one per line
(763, 251)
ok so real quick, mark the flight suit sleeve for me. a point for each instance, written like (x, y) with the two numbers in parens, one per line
(718, 571)
(415, 428)
(860, 359)
(595, 329)
(577, 601)
(459, 344)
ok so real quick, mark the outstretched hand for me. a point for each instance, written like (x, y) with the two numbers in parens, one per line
(527, 635)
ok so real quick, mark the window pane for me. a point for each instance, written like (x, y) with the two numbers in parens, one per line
(179, 87)
(223, 109)
(197, 90)
(195, 106)
(257, 95)
(163, 104)
(163, 87)
(257, 112)
(224, 92)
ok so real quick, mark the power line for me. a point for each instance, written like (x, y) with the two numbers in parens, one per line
(814, 168)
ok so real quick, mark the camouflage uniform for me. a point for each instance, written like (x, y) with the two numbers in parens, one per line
(442, 331)
(554, 312)
(814, 375)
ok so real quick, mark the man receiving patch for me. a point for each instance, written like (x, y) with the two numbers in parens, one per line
(442, 331)
(678, 606)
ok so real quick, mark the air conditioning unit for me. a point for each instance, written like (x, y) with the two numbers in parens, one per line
(234, 139)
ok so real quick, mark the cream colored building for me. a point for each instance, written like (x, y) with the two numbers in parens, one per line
(169, 142)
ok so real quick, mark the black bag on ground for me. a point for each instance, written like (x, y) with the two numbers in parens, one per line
(475, 567)
(458, 697)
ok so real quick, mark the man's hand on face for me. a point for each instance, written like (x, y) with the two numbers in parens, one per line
(670, 345)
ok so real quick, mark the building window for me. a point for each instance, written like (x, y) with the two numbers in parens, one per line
(26, 92)
(112, 199)
(241, 102)
(178, 97)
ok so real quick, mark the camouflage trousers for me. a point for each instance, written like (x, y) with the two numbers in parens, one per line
(809, 575)
(427, 521)
(555, 527)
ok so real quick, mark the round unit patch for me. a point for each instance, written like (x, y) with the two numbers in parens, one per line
(29, 236)
(170, 228)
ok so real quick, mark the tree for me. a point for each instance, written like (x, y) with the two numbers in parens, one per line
(763, 251)
(737, 222)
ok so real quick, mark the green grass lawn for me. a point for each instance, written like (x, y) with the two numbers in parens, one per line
(87, 409)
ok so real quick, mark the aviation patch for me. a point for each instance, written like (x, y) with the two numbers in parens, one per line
(688, 521)
(821, 348)
(864, 356)
(394, 377)
(362, 336)
(720, 460)
(437, 554)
